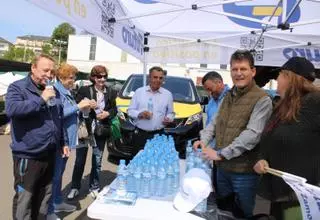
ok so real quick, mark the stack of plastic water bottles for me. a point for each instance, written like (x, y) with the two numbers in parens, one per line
(153, 172)
(195, 160)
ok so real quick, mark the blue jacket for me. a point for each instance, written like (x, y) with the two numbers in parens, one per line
(213, 104)
(70, 114)
(36, 129)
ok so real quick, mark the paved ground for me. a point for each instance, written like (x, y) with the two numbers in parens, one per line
(6, 182)
(107, 175)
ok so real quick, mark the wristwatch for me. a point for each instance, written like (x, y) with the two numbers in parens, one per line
(219, 154)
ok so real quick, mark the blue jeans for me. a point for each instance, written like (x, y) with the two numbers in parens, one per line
(59, 167)
(81, 156)
(243, 185)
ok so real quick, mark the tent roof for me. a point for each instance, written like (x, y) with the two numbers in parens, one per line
(202, 31)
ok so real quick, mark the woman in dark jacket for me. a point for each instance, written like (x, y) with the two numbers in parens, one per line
(104, 109)
(291, 138)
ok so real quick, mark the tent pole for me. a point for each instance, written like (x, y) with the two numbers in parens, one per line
(264, 29)
(292, 11)
(145, 57)
(305, 23)
(145, 68)
(283, 38)
(284, 11)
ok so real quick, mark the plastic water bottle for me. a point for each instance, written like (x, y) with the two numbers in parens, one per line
(122, 177)
(146, 177)
(161, 178)
(153, 181)
(190, 162)
(170, 179)
(137, 179)
(198, 159)
(206, 166)
(150, 105)
(130, 178)
(51, 101)
(188, 149)
(176, 169)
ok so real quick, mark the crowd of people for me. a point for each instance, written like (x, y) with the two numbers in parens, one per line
(246, 132)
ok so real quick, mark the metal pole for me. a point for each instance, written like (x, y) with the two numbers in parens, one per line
(24, 52)
(144, 68)
(59, 52)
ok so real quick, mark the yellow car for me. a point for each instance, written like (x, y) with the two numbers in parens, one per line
(187, 108)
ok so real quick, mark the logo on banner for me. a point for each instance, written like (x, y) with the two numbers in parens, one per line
(132, 39)
(260, 12)
(108, 12)
(311, 54)
(248, 42)
(146, 1)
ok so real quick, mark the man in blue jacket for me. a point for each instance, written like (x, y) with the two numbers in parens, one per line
(37, 134)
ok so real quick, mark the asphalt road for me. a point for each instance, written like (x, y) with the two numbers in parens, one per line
(7, 191)
(83, 201)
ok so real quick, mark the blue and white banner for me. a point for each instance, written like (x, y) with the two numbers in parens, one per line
(93, 16)
(309, 197)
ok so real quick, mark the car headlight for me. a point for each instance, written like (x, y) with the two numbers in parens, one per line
(121, 115)
(194, 118)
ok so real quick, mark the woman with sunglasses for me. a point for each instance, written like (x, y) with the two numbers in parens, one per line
(104, 108)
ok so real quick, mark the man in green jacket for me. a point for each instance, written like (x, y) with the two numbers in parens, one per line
(237, 129)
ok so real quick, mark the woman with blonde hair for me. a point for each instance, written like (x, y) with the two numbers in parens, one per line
(65, 75)
(290, 141)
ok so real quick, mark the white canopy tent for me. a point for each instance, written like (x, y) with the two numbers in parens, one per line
(200, 31)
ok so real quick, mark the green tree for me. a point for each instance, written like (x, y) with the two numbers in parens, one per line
(59, 39)
(19, 54)
(46, 49)
(62, 32)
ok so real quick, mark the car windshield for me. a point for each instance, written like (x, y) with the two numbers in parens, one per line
(182, 89)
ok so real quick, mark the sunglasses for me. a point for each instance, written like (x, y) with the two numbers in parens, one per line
(102, 76)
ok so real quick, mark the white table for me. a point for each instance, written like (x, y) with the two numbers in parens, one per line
(143, 209)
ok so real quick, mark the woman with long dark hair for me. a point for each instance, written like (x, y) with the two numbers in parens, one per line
(291, 138)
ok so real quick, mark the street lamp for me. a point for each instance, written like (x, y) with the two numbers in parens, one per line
(60, 42)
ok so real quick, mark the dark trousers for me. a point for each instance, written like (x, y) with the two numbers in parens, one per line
(57, 198)
(81, 156)
(33, 186)
(242, 185)
(140, 138)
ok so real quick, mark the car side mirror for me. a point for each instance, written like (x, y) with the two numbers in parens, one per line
(204, 100)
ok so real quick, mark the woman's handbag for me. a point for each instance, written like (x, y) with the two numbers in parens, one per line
(83, 131)
(102, 130)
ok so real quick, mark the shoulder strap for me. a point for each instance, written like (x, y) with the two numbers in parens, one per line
(91, 92)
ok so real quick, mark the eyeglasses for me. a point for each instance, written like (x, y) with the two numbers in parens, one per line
(102, 76)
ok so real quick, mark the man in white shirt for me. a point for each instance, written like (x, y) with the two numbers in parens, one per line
(151, 108)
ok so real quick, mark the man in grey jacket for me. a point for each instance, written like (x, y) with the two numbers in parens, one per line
(237, 129)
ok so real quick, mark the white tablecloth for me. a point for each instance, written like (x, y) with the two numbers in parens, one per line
(143, 209)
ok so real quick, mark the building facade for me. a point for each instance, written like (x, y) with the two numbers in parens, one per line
(32, 42)
(4, 46)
